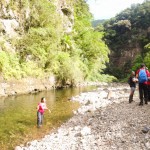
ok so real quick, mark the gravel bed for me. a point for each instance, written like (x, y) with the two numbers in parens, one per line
(105, 121)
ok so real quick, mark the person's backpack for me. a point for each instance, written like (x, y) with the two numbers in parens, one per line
(142, 76)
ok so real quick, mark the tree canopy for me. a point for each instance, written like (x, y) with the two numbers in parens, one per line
(43, 47)
(126, 32)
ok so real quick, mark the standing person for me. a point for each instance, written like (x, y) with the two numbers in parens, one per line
(132, 82)
(148, 84)
(143, 90)
(40, 111)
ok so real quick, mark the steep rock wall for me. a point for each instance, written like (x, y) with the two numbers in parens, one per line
(14, 15)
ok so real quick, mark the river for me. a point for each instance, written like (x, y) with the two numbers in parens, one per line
(18, 115)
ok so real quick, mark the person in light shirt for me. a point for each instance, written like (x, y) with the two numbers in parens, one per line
(132, 83)
(41, 107)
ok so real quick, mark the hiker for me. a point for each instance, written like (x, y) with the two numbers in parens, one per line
(143, 90)
(40, 111)
(132, 82)
(148, 84)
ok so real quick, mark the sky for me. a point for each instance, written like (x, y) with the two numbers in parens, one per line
(106, 9)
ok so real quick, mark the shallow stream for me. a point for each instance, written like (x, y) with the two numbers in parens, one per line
(18, 115)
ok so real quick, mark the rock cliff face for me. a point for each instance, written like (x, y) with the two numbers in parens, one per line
(128, 54)
(26, 86)
(13, 20)
(130, 49)
(11, 23)
(128, 35)
(66, 12)
(124, 52)
(14, 17)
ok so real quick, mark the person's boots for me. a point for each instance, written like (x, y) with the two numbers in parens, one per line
(141, 102)
(146, 101)
(130, 98)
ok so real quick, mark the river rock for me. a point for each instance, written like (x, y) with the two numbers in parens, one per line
(145, 129)
(18, 148)
(85, 131)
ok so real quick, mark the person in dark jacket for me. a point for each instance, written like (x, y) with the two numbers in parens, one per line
(132, 83)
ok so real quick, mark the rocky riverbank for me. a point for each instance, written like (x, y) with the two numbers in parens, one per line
(104, 121)
(34, 85)
(25, 86)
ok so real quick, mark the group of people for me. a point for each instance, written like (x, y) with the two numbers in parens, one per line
(142, 77)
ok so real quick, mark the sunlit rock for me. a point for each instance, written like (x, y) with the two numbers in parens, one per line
(85, 131)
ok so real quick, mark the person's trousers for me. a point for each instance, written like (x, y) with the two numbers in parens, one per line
(131, 94)
(148, 93)
(143, 92)
(39, 119)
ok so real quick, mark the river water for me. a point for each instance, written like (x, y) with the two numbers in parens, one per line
(18, 115)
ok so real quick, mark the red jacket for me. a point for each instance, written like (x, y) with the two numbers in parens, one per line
(148, 75)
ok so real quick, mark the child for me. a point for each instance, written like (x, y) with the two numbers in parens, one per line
(132, 83)
(40, 111)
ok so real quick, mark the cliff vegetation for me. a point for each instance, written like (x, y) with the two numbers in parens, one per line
(128, 37)
(40, 38)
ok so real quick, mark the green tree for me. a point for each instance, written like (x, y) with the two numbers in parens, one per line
(127, 31)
